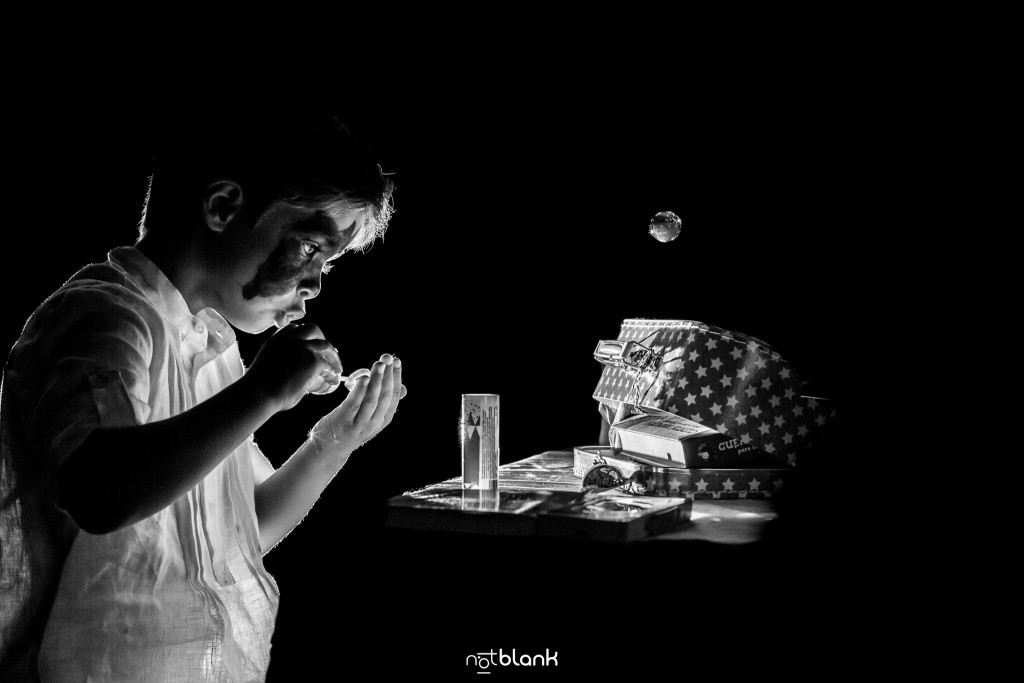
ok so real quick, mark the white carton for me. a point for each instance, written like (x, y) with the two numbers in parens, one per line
(668, 438)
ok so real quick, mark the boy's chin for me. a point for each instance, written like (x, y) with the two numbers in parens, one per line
(273, 325)
(255, 325)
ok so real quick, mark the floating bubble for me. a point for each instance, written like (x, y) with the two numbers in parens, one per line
(665, 226)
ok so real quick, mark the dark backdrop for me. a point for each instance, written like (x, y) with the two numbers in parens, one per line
(519, 241)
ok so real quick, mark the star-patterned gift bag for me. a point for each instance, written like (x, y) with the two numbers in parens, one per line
(703, 484)
(724, 380)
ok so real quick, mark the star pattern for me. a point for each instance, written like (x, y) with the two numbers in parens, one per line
(696, 484)
(723, 380)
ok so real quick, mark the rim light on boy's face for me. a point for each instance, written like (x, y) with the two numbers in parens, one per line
(282, 260)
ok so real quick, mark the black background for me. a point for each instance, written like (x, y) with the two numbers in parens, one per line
(519, 240)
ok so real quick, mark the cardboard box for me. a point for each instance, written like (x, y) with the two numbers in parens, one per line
(675, 441)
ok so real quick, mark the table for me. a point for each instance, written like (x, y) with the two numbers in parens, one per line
(731, 578)
(729, 522)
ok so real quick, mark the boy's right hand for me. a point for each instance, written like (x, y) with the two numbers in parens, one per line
(292, 363)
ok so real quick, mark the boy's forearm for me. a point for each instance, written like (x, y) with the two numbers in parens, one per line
(283, 500)
(288, 494)
(121, 476)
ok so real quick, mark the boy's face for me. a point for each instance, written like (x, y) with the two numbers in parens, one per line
(275, 265)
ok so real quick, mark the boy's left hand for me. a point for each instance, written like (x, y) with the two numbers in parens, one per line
(369, 407)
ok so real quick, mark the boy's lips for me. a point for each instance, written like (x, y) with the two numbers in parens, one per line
(283, 318)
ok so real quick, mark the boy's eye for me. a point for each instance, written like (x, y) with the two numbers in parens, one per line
(307, 249)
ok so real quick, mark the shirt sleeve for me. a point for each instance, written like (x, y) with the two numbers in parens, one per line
(85, 363)
(262, 468)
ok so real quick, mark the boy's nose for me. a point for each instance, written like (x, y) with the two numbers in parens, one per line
(308, 289)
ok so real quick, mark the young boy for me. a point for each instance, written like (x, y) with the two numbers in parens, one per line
(135, 507)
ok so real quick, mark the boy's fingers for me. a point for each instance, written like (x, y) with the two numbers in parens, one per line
(386, 388)
(390, 413)
(327, 352)
(356, 394)
(396, 395)
(369, 403)
(350, 383)
(307, 331)
(331, 381)
(399, 389)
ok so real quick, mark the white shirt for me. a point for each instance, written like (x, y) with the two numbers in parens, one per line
(179, 596)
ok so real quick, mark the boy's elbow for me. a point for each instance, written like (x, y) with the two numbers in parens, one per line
(97, 525)
(82, 498)
(87, 518)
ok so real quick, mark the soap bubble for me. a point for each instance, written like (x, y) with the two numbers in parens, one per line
(665, 226)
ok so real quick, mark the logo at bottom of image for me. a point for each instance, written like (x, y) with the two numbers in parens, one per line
(486, 662)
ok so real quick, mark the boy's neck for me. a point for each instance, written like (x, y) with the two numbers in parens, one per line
(185, 265)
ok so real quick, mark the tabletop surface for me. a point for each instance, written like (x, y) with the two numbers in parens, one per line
(729, 522)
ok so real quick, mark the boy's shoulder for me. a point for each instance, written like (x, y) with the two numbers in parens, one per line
(98, 284)
(97, 292)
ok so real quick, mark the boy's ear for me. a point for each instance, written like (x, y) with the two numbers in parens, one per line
(222, 204)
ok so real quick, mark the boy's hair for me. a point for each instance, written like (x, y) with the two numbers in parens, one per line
(302, 156)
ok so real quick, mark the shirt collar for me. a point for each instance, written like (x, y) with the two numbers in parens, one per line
(205, 332)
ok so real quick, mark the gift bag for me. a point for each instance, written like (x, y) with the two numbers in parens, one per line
(733, 383)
